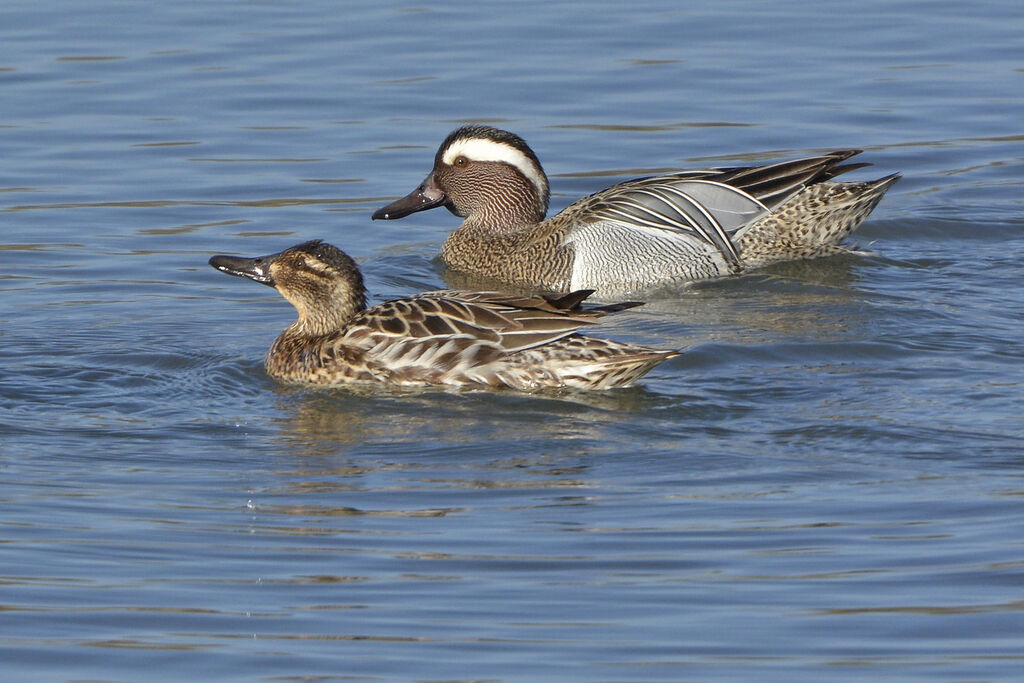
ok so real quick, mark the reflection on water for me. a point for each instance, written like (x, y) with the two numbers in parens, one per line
(419, 419)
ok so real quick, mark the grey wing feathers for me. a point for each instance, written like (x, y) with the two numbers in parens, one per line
(707, 210)
(710, 204)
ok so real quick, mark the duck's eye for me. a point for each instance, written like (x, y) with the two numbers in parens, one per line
(461, 160)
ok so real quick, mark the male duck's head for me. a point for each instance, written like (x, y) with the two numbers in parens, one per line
(487, 175)
(321, 281)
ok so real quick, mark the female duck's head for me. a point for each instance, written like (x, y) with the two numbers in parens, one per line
(321, 281)
(482, 173)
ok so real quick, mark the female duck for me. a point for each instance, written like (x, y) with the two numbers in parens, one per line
(641, 233)
(464, 339)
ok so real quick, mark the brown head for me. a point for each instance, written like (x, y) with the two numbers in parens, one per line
(488, 176)
(321, 281)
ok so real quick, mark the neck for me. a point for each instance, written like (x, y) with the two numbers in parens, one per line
(489, 226)
(299, 348)
(505, 204)
(323, 311)
(306, 328)
(507, 214)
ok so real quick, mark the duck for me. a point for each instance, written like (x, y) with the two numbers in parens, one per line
(638, 235)
(447, 338)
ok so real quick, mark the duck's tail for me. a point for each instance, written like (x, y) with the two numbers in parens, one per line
(626, 364)
(811, 223)
(582, 362)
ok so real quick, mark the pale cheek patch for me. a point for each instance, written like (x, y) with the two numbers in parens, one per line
(317, 266)
(478, 149)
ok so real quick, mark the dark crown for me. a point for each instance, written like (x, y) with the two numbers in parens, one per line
(477, 132)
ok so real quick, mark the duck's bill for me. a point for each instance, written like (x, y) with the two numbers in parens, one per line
(256, 269)
(427, 196)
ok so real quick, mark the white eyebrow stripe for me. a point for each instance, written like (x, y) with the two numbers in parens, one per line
(480, 149)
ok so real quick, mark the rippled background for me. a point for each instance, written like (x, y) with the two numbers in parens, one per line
(827, 486)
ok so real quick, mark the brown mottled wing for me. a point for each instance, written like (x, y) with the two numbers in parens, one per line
(472, 320)
(540, 319)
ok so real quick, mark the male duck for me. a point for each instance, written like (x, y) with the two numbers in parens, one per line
(638, 234)
(463, 339)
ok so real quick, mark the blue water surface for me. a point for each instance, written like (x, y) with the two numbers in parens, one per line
(827, 485)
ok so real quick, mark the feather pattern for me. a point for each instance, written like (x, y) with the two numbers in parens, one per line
(639, 234)
(703, 210)
(447, 337)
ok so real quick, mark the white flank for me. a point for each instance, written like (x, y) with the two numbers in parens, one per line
(482, 149)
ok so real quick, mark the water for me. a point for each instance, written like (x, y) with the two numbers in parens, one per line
(827, 486)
